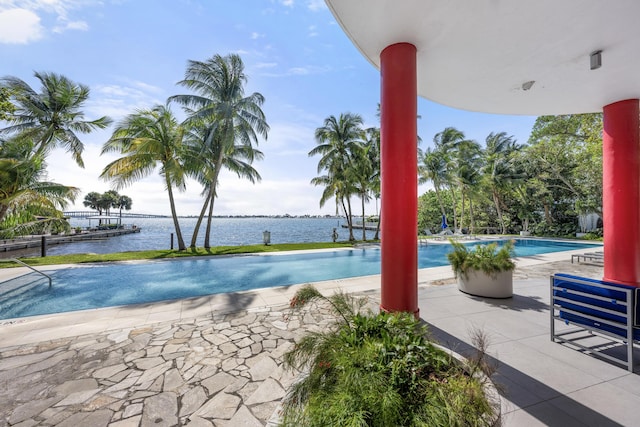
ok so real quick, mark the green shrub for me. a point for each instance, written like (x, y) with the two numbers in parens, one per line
(596, 234)
(486, 258)
(378, 370)
(566, 229)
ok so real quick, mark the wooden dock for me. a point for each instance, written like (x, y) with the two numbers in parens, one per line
(370, 226)
(8, 245)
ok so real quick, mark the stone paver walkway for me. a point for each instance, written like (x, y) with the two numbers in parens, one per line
(222, 370)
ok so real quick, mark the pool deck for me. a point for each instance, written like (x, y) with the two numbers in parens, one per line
(217, 360)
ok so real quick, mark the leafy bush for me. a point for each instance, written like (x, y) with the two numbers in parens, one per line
(486, 258)
(596, 234)
(378, 370)
(565, 229)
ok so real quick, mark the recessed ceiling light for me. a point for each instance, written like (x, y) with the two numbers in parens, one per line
(527, 85)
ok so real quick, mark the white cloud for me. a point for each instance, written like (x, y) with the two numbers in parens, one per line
(288, 3)
(116, 101)
(19, 26)
(266, 65)
(316, 5)
(255, 36)
(269, 197)
(21, 20)
(288, 137)
(299, 71)
(147, 87)
(71, 25)
(313, 31)
(312, 69)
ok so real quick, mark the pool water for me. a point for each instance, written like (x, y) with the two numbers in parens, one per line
(108, 285)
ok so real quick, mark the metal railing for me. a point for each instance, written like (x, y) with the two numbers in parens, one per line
(29, 267)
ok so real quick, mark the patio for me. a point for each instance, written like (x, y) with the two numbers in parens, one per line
(218, 360)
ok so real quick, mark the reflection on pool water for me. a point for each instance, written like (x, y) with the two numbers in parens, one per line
(107, 285)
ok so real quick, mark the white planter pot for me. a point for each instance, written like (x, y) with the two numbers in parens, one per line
(581, 234)
(525, 233)
(481, 284)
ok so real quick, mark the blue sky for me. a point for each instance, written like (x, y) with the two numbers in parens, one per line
(131, 53)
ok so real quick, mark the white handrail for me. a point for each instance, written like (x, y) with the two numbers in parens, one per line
(28, 266)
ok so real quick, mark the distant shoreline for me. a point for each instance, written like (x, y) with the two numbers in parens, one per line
(147, 215)
(267, 216)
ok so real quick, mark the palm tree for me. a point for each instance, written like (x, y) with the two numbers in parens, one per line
(467, 172)
(236, 120)
(432, 167)
(372, 142)
(123, 202)
(337, 141)
(448, 142)
(202, 151)
(51, 117)
(23, 192)
(498, 168)
(6, 107)
(148, 138)
(360, 173)
(93, 200)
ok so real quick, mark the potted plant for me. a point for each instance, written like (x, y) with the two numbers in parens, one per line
(78, 230)
(485, 270)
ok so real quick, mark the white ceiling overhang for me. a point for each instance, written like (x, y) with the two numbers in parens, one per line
(477, 54)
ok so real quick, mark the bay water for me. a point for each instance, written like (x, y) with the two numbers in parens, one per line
(156, 233)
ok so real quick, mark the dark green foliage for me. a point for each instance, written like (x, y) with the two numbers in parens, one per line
(562, 229)
(596, 234)
(377, 370)
(486, 258)
(6, 107)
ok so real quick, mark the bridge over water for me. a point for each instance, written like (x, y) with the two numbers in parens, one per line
(84, 214)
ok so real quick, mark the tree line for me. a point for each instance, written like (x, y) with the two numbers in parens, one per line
(104, 202)
(501, 186)
(541, 187)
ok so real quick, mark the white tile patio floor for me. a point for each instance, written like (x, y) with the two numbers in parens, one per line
(544, 383)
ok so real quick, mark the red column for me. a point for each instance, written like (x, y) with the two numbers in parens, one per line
(399, 192)
(621, 192)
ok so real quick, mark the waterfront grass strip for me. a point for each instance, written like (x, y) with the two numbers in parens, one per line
(166, 254)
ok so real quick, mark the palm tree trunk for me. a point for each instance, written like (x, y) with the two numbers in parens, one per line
(174, 215)
(194, 238)
(351, 236)
(439, 197)
(455, 202)
(497, 203)
(347, 214)
(3, 211)
(377, 236)
(207, 233)
(461, 213)
(364, 224)
(213, 185)
(473, 221)
(547, 213)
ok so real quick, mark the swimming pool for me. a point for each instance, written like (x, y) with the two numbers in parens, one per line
(108, 285)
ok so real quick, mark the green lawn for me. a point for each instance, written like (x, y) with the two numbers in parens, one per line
(161, 254)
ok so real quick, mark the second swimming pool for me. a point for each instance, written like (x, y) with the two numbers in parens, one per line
(108, 285)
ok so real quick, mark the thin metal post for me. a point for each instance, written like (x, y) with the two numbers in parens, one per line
(171, 241)
(43, 247)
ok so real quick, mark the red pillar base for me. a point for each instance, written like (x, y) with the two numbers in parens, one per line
(399, 186)
(621, 192)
